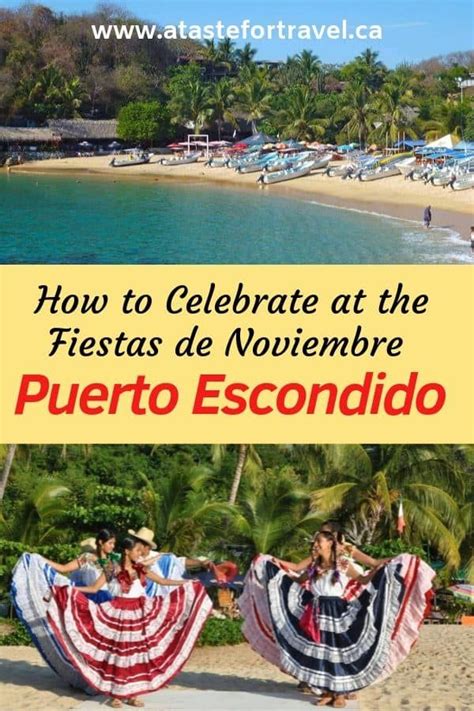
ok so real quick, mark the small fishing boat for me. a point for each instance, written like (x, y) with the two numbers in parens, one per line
(183, 160)
(322, 161)
(217, 162)
(257, 165)
(463, 182)
(299, 170)
(131, 159)
(383, 171)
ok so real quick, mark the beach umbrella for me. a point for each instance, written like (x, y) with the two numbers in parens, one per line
(85, 144)
(114, 144)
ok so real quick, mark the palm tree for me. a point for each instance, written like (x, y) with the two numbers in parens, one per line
(37, 519)
(255, 95)
(299, 118)
(245, 56)
(210, 51)
(190, 103)
(184, 512)
(248, 460)
(369, 69)
(274, 512)
(309, 69)
(393, 103)
(367, 485)
(226, 52)
(356, 110)
(222, 101)
(7, 467)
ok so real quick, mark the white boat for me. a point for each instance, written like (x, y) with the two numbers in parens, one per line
(220, 162)
(383, 171)
(463, 182)
(132, 159)
(256, 165)
(183, 160)
(406, 166)
(322, 161)
(297, 171)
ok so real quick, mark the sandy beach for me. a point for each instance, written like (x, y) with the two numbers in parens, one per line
(393, 196)
(438, 676)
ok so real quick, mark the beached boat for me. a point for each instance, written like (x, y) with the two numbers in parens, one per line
(322, 161)
(218, 162)
(463, 182)
(183, 160)
(383, 171)
(256, 165)
(128, 161)
(297, 171)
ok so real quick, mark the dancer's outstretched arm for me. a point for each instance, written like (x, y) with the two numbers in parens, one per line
(65, 567)
(196, 563)
(164, 581)
(294, 567)
(363, 578)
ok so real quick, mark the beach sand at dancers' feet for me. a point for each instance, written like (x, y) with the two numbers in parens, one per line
(393, 196)
(436, 676)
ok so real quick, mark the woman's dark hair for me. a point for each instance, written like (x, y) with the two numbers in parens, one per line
(103, 536)
(128, 544)
(328, 536)
(333, 527)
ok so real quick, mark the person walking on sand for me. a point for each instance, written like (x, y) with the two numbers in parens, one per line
(427, 217)
(472, 237)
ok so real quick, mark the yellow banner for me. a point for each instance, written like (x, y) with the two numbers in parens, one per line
(300, 354)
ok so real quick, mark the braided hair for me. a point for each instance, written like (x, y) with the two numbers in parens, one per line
(316, 569)
(128, 544)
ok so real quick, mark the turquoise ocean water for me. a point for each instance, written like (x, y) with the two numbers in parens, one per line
(61, 219)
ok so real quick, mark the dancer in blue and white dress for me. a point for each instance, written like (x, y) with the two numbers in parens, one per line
(32, 581)
(343, 630)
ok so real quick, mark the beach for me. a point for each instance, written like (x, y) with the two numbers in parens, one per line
(392, 196)
(437, 676)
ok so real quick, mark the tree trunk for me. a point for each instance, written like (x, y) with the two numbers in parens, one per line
(254, 127)
(11, 448)
(243, 449)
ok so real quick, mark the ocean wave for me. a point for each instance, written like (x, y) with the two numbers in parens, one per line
(453, 234)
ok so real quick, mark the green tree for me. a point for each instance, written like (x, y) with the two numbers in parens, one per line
(356, 112)
(145, 122)
(246, 55)
(39, 515)
(49, 94)
(182, 511)
(222, 101)
(299, 118)
(189, 98)
(366, 484)
(254, 95)
(274, 512)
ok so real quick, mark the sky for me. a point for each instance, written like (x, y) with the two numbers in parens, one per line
(413, 29)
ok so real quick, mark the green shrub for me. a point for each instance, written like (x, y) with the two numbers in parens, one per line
(19, 637)
(217, 633)
(391, 548)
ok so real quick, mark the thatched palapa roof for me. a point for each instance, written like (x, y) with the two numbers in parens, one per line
(84, 129)
(16, 134)
(61, 129)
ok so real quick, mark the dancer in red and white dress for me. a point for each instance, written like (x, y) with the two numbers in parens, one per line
(132, 645)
